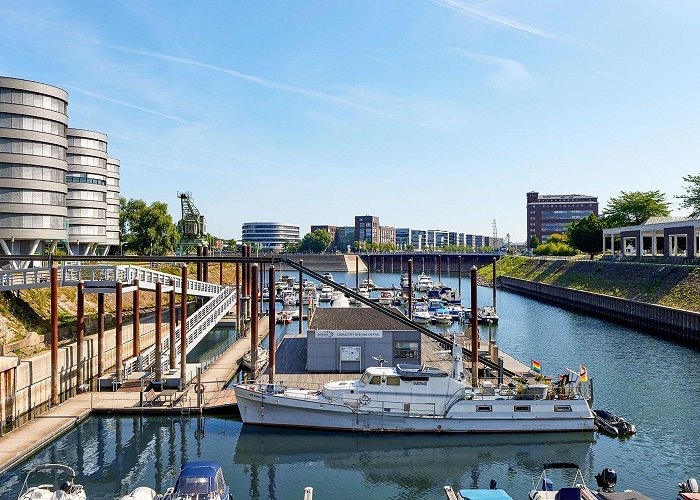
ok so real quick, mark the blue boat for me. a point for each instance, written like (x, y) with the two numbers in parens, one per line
(477, 494)
(200, 480)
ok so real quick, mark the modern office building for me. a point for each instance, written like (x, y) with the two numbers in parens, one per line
(367, 229)
(345, 237)
(387, 235)
(33, 144)
(552, 213)
(270, 236)
(437, 238)
(419, 238)
(456, 239)
(113, 192)
(87, 191)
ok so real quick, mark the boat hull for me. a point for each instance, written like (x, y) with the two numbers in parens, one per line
(260, 408)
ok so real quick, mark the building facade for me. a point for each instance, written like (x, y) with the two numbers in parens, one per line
(367, 228)
(270, 236)
(387, 235)
(552, 213)
(332, 230)
(351, 339)
(345, 237)
(437, 238)
(86, 201)
(113, 192)
(33, 144)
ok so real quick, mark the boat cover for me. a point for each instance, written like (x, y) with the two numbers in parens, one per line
(497, 494)
(417, 371)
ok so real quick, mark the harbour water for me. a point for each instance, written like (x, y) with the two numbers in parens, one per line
(650, 381)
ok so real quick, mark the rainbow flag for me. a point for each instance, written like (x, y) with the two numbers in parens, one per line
(536, 366)
(582, 374)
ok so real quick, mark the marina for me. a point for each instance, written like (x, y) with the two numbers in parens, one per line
(527, 330)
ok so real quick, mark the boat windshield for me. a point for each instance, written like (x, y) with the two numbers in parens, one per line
(192, 486)
(365, 378)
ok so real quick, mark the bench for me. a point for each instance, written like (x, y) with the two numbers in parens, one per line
(149, 397)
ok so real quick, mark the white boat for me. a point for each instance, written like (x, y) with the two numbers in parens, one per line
(421, 316)
(487, 314)
(425, 283)
(411, 398)
(141, 493)
(62, 487)
(386, 298)
(199, 480)
(442, 317)
(368, 284)
(285, 317)
(404, 281)
(328, 276)
(265, 294)
(289, 297)
(262, 359)
(326, 294)
(544, 489)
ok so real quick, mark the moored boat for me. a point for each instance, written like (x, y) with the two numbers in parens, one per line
(247, 360)
(425, 283)
(62, 485)
(199, 480)
(411, 398)
(611, 424)
(477, 494)
(487, 314)
(386, 298)
(285, 317)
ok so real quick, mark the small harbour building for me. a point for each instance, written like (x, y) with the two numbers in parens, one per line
(349, 339)
(270, 237)
(667, 237)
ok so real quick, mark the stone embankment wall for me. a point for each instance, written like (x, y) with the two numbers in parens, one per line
(667, 322)
(334, 263)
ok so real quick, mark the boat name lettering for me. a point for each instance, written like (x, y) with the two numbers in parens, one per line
(415, 382)
(348, 334)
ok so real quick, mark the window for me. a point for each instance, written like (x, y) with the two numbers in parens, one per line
(521, 408)
(375, 380)
(483, 408)
(407, 350)
(393, 381)
(562, 408)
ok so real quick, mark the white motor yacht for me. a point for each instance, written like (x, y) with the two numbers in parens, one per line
(412, 398)
(425, 283)
(326, 294)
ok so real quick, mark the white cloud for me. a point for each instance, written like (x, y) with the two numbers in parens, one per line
(127, 104)
(509, 73)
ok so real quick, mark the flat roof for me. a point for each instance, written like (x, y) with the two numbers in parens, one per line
(354, 318)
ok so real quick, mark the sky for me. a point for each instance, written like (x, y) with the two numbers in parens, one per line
(426, 113)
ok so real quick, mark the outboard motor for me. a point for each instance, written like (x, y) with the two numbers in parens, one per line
(689, 486)
(492, 484)
(607, 480)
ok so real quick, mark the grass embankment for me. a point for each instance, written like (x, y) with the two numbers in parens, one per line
(27, 311)
(664, 284)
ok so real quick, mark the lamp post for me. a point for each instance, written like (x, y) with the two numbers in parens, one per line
(121, 247)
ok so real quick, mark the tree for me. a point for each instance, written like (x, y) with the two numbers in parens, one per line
(147, 229)
(316, 242)
(586, 235)
(691, 198)
(534, 241)
(633, 208)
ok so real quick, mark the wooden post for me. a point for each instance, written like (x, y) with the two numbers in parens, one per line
(159, 331)
(55, 399)
(459, 277)
(172, 358)
(205, 265)
(199, 263)
(221, 273)
(475, 331)
(494, 283)
(100, 334)
(80, 333)
(238, 299)
(254, 320)
(410, 289)
(301, 300)
(118, 325)
(272, 343)
(357, 273)
(136, 324)
(183, 328)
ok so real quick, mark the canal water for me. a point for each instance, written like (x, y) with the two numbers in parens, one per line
(650, 381)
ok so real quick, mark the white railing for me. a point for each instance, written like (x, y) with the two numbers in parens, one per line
(148, 278)
(16, 279)
(198, 325)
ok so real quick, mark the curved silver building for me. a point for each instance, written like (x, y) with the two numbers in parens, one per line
(87, 191)
(270, 236)
(33, 120)
(112, 203)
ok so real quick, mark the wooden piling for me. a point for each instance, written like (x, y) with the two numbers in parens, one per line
(254, 320)
(410, 289)
(172, 357)
(100, 334)
(136, 324)
(494, 283)
(80, 333)
(159, 331)
(272, 343)
(301, 300)
(54, 337)
(475, 330)
(118, 325)
(183, 328)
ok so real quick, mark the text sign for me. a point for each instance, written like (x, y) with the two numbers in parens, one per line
(350, 353)
(348, 334)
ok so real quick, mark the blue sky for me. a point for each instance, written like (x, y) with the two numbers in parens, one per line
(427, 113)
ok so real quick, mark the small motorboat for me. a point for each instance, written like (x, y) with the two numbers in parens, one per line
(199, 480)
(328, 276)
(285, 317)
(386, 298)
(295, 315)
(262, 359)
(368, 284)
(611, 424)
(404, 281)
(62, 487)
(265, 294)
(442, 317)
(689, 490)
(326, 294)
(425, 283)
(606, 480)
(492, 493)
(487, 314)
(141, 493)
(544, 488)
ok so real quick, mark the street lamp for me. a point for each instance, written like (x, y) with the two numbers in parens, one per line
(121, 247)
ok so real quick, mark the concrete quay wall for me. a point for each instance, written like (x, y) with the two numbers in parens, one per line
(667, 322)
(32, 384)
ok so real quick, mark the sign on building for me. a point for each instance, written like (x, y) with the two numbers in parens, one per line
(349, 334)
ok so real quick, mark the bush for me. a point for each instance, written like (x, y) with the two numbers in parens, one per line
(561, 249)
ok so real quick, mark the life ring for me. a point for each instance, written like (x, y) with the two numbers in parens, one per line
(365, 399)
(199, 388)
